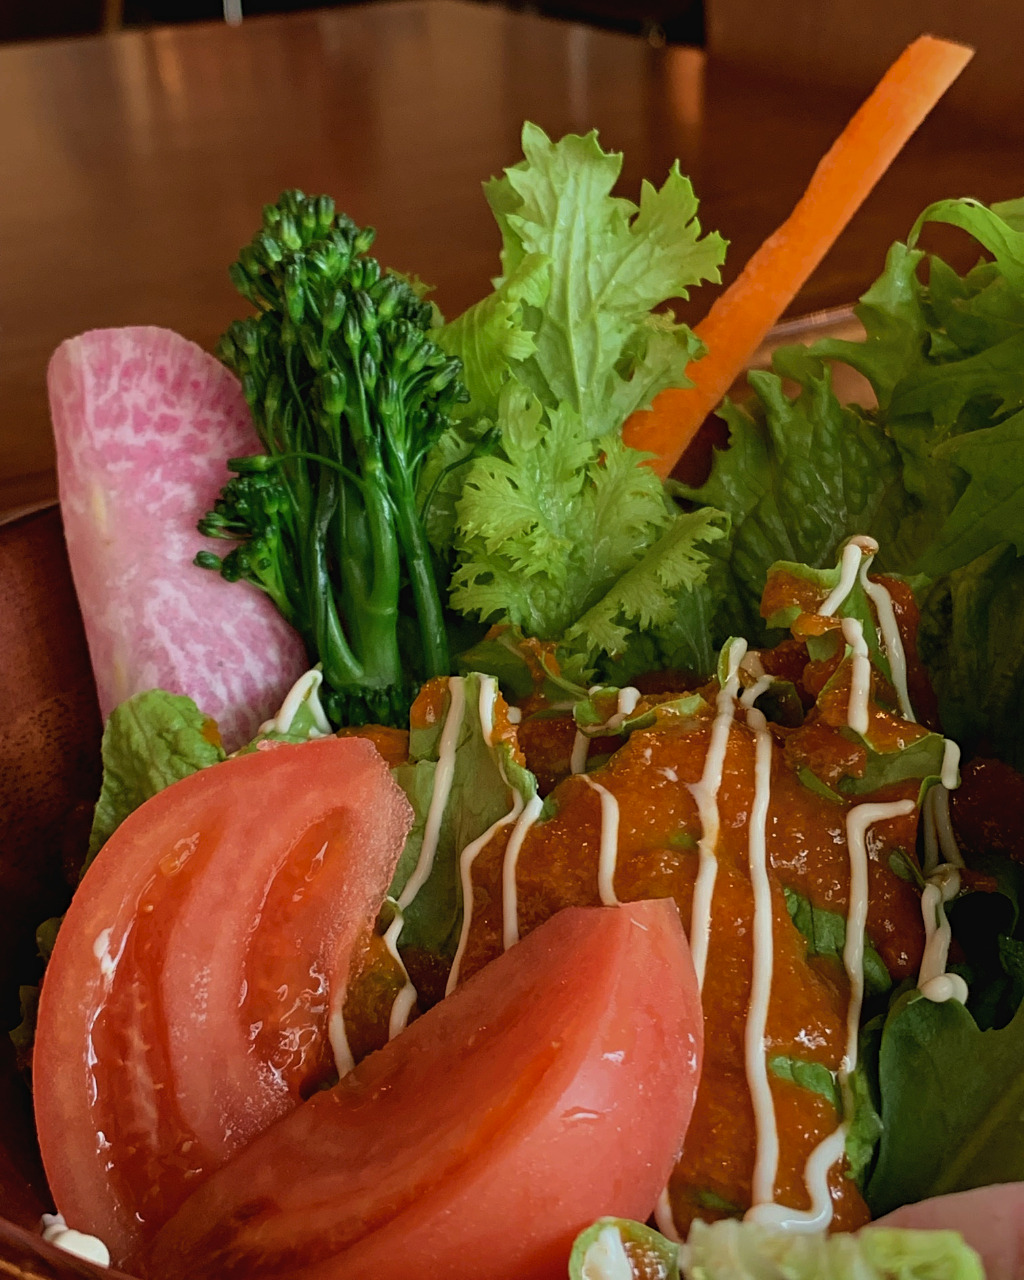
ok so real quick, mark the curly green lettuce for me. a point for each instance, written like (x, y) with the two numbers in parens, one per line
(555, 526)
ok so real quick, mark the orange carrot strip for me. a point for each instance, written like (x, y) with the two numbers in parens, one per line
(741, 316)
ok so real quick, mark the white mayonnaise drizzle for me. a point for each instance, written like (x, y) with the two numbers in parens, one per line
(336, 1034)
(942, 858)
(942, 864)
(580, 751)
(950, 776)
(705, 793)
(606, 1258)
(858, 821)
(57, 1232)
(857, 713)
(831, 1148)
(305, 690)
(509, 893)
(892, 641)
(485, 707)
(665, 1218)
(816, 1171)
(940, 844)
(466, 859)
(767, 1157)
(405, 1001)
(444, 775)
(609, 849)
(933, 981)
(625, 705)
(849, 567)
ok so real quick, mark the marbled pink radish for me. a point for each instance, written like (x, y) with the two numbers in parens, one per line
(990, 1219)
(144, 421)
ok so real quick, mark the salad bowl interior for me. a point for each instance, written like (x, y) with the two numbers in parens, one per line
(50, 777)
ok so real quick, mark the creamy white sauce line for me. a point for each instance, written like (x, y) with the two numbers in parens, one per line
(858, 821)
(338, 1037)
(444, 775)
(755, 1030)
(56, 1231)
(609, 846)
(485, 707)
(857, 710)
(665, 1219)
(831, 1148)
(509, 893)
(816, 1171)
(933, 981)
(405, 1001)
(942, 859)
(856, 559)
(606, 1257)
(580, 751)
(466, 860)
(849, 567)
(626, 704)
(705, 793)
(304, 690)
(892, 641)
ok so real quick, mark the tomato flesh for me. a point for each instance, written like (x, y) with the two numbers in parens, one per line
(187, 1003)
(553, 1087)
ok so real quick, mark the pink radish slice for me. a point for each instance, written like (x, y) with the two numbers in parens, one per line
(144, 421)
(990, 1219)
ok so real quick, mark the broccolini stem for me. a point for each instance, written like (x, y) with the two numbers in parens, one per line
(348, 392)
(430, 613)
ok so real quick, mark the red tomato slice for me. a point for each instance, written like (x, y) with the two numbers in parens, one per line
(553, 1087)
(187, 1002)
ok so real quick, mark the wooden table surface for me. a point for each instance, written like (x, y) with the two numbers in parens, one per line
(133, 167)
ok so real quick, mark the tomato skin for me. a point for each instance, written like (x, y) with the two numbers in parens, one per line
(186, 1004)
(551, 1088)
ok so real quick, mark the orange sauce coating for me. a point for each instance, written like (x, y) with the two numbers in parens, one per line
(659, 830)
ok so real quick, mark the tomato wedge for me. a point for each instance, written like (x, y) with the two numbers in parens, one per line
(188, 1000)
(553, 1087)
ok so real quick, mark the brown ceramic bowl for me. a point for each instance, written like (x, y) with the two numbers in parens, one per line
(49, 780)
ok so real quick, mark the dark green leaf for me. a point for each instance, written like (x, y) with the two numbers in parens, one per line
(825, 932)
(940, 1134)
(814, 1076)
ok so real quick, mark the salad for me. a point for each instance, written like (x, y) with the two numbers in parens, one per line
(547, 851)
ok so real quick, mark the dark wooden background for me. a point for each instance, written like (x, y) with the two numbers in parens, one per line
(133, 166)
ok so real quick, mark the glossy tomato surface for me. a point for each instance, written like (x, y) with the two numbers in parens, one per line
(188, 1001)
(553, 1087)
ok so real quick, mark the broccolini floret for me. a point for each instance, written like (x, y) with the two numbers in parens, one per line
(348, 392)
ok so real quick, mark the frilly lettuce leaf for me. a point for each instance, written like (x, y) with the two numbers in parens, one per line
(552, 524)
(798, 478)
(492, 335)
(730, 1250)
(151, 740)
(611, 263)
(934, 473)
(645, 597)
(568, 537)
